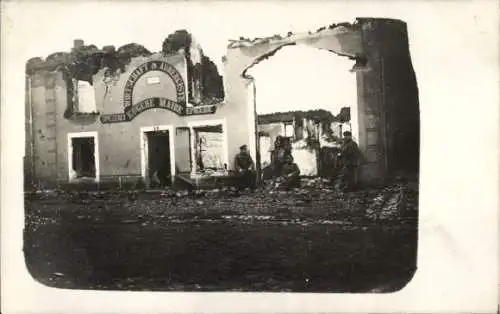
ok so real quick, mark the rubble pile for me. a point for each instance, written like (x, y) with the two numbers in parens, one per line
(314, 198)
(390, 203)
(306, 184)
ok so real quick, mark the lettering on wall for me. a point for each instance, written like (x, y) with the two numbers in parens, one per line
(178, 106)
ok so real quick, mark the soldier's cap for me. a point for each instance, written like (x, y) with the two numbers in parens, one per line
(347, 133)
(243, 147)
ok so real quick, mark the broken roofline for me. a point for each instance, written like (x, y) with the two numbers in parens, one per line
(83, 62)
(56, 59)
(347, 45)
(271, 45)
(80, 51)
(313, 114)
(291, 38)
(62, 58)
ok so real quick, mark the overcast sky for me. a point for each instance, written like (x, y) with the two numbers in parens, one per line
(319, 79)
(296, 77)
(302, 78)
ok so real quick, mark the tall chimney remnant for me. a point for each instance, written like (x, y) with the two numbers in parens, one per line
(78, 43)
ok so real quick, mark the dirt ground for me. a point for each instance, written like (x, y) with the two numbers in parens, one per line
(308, 240)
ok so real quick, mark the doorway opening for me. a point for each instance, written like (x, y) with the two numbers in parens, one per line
(159, 162)
(83, 159)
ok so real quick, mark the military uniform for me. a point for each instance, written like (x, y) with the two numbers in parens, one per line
(350, 158)
(244, 162)
(290, 175)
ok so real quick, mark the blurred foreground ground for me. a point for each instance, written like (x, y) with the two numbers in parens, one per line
(312, 239)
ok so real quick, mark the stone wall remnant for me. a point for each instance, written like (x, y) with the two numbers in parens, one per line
(205, 86)
(388, 108)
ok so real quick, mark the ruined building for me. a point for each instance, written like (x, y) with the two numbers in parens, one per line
(388, 106)
(115, 115)
(108, 115)
(308, 131)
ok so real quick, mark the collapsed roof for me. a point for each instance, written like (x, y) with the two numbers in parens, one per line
(84, 61)
(317, 115)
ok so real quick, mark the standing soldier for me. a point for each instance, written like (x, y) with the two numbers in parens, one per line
(350, 160)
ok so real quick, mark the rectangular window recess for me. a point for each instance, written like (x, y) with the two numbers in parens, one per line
(153, 80)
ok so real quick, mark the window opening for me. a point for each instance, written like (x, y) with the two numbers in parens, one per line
(209, 147)
(85, 97)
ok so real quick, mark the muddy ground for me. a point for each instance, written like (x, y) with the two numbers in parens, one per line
(308, 240)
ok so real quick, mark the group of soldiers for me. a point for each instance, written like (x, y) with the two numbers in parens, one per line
(288, 173)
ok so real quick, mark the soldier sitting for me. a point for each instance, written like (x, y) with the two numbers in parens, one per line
(245, 167)
(290, 173)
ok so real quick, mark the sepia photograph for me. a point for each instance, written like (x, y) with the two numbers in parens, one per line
(257, 157)
(289, 163)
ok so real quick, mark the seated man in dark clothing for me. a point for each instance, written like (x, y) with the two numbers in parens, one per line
(245, 168)
(290, 173)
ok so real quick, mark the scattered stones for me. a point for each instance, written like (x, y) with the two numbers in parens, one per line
(182, 194)
(394, 203)
(389, 204)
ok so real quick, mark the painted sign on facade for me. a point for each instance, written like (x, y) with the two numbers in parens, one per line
(154, 66)
(178, 106)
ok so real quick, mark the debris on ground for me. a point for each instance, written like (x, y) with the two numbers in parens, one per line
(314, 198)
(164, 238)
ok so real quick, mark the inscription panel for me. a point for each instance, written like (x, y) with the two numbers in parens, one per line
(177, 106)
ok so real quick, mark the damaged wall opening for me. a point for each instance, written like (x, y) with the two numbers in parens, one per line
(85, 95)
(83, 155)
(310, 104)
(157, 155)
(208, 147)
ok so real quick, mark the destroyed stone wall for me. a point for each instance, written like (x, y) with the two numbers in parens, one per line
(313, 129)
(387, 98)
(43, 146)
(401, 101)
(205, 85)
(365, 43)
(49, 96)
(306, 160)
